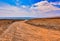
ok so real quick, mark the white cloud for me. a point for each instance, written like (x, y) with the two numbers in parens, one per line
(45, 6)
(55, 3)
(12, 11)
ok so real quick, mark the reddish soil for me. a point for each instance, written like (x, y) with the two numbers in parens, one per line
(32, 30)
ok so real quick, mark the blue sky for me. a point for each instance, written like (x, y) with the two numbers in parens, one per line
(25, 2)
(13, 11)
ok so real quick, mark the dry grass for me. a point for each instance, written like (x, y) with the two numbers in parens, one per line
(46, 23)
(24, 31)
(4, 24)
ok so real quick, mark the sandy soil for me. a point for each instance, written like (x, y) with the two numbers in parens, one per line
(4, 24)
(46, 23)
(32, 30)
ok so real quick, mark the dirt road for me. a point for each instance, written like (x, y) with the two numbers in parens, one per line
(22, 31)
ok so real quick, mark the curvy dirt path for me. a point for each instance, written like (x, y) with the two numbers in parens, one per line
(21, 31)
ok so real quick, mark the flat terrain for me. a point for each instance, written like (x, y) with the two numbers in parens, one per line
(31, 30)
(46, 23)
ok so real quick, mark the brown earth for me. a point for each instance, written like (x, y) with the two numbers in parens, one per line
(31, 30)
(4, 24)
(46, 23)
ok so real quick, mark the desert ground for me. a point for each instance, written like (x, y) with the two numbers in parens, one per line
(30, 30)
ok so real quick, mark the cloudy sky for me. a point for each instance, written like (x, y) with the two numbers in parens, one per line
(8, 8)
(25, 2)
